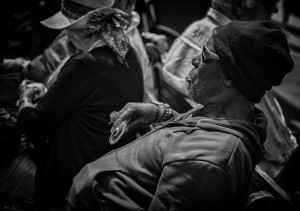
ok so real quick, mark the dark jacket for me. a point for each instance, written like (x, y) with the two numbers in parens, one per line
(74, 114)
(190, 163)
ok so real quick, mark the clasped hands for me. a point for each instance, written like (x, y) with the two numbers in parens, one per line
(30, 92)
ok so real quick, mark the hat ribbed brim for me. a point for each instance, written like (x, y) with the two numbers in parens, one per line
(57, 21)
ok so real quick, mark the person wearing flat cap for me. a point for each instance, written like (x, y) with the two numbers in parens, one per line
(202, 159)
(74, 114)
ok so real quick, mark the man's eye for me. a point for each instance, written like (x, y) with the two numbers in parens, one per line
(196, 61)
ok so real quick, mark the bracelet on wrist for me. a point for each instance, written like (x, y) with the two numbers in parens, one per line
(167, 113)
(164, 112)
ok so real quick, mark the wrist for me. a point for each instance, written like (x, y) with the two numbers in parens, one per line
(24, 102)
(164, 112)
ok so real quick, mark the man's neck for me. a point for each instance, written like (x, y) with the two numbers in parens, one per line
(233, 111)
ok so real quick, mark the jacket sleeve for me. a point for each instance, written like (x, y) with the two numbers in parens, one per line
(45, 64)
(193, 185)
(69, 90)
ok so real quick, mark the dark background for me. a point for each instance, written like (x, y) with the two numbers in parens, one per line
(178, 14)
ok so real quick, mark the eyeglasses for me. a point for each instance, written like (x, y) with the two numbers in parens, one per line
(208, 54)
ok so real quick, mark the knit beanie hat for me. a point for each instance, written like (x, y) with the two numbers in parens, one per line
(254, 55)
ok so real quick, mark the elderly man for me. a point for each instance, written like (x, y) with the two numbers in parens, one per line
(202, 159)
(280, 142)
(190, 42)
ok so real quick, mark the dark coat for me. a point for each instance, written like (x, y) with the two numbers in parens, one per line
(74, 114)
(194, 163)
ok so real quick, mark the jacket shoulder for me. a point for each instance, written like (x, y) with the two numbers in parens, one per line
(215, 147)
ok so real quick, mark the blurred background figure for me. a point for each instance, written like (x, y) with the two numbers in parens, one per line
(290, 8)
(288, 93)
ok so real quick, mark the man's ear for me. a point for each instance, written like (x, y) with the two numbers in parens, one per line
(227, 82)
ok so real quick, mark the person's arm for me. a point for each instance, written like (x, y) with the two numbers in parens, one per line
(42, 66)
(65, 94)
(29, 93)
(142, 115)
(193, 185)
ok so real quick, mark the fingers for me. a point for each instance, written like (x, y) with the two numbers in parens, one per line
(138, 113)
(35, 88)
(23, 85)
(31, 90)
(126, 107)
(36, 84)
(124, 114)
(133, 124)
(26, 82)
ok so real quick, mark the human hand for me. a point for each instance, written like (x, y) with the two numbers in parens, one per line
(31, 90)
(15, 65)
(159, 41)
(153, 53)
(138, 114)
(40, 88)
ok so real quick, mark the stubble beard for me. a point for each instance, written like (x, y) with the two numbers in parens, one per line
(204, 93)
